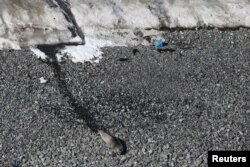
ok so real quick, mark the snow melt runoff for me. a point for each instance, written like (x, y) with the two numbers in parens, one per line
(85, 26)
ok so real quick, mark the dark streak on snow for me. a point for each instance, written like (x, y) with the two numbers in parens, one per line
(75, 29)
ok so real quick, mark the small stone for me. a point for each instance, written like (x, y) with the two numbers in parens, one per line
(111, 142)
(198, 161)
(150, 151)
(42, 80)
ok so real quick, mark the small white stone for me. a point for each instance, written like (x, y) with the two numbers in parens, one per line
(42, 80)
(181, 120)
(241, 133)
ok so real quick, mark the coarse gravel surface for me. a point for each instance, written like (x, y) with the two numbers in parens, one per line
(169, 107)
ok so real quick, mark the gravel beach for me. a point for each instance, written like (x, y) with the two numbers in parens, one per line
(170, 107)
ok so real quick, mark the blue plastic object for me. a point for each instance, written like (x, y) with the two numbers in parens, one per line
(159, 43)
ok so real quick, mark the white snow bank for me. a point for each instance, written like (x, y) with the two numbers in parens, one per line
(90, 52)
(42, 80)
(161, 13)
(27, 22)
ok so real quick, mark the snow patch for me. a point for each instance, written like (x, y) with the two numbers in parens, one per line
(91, 51)
(38, 53)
